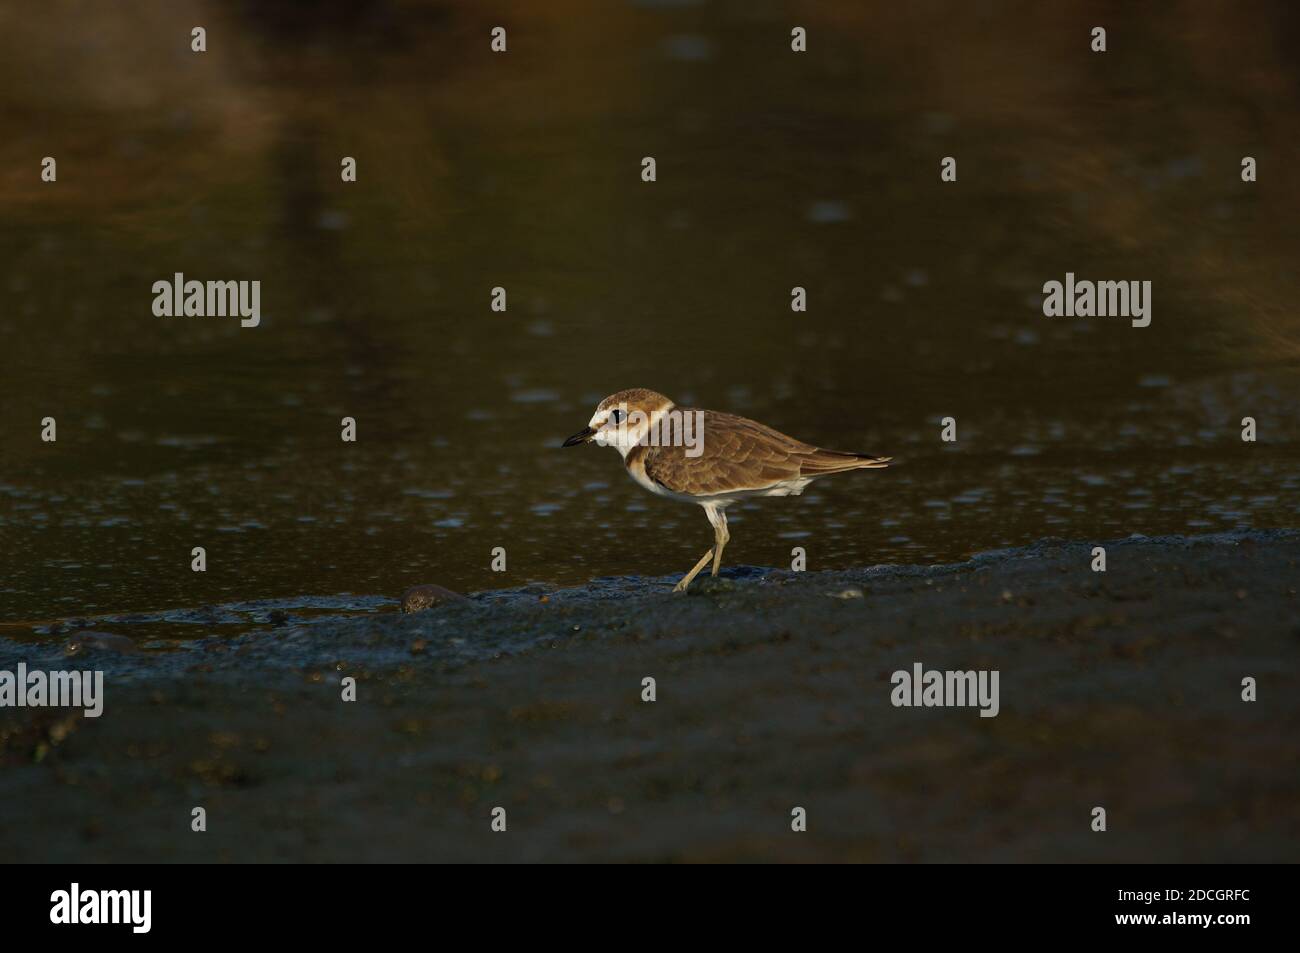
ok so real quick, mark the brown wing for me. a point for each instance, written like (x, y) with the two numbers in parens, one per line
(742, 454)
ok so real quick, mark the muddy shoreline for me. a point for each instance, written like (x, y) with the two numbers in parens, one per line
(1120, 689)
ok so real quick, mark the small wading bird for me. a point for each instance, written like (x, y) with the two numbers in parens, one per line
(716, 459)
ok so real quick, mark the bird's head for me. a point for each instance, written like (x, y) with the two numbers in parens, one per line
(623, 420)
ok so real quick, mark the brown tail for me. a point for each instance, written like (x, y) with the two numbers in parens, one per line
(822, 462)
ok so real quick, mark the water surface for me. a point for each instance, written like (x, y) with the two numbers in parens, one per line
(523, 171)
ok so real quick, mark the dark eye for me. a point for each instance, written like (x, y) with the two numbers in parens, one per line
(616, 415)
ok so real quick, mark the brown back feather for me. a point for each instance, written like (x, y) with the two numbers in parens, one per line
(739, 453)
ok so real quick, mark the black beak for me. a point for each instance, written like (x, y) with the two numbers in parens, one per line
(582, 436)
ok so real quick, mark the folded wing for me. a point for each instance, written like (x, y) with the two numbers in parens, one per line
(741, 454)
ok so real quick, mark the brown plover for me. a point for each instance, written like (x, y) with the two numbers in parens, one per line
(708, 457)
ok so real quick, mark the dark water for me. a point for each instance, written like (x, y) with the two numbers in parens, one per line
(522, 170)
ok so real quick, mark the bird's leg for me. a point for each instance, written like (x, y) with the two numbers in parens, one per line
(686, 580)
(718, 518)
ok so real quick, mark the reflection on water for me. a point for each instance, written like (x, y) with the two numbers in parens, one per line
(523, 170)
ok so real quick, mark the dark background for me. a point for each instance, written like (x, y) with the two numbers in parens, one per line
(775, 169)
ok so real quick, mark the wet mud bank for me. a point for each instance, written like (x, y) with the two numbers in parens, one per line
(773, 691)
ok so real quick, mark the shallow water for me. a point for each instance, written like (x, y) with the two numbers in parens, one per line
(775, 170)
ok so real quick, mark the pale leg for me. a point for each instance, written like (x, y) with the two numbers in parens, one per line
(718, 517)
(686, 580)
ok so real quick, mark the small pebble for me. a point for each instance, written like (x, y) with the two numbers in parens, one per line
(427, 596)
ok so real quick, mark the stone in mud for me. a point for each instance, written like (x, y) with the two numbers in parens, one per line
(428, 596)
(709, 585)
(101, 642)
